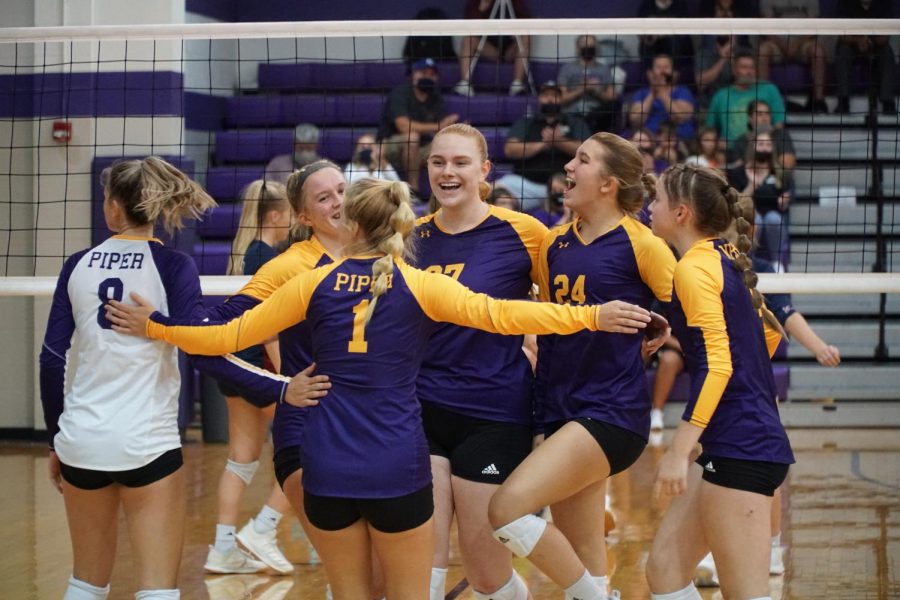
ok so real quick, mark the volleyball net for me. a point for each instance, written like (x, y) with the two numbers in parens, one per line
(221, 101)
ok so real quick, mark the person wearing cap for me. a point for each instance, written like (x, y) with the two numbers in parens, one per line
(589, 87)
(540, 145)
(306, 141)
(413, 113)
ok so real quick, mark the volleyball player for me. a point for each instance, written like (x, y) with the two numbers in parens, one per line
(591, 387)
(366, 472)
(721, 502)
(475, 387)
(113, 432)
(264, 224)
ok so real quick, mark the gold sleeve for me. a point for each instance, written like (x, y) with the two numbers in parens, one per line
(543, 267)
(698, 283)
(275, 273)
(286, 307)
(655, 261)
(532, 233)
(444, 299)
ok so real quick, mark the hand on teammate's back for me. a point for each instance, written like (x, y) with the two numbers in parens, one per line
(130, 319)
(305, 388)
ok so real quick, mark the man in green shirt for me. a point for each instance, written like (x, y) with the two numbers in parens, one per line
(728, 108)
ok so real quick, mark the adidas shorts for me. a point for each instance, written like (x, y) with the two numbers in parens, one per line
(88, 479)
(287, 462)
(478, 449)
(621, 446)
(388, 515)
(757, 476)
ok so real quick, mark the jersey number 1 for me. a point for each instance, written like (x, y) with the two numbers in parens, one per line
(358, 343)
(110, 289)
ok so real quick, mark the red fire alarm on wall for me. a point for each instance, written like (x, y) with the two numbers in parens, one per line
(62, 131)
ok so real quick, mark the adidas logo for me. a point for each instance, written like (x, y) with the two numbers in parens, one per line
(502, 539)
(709, 467)
(491, 469)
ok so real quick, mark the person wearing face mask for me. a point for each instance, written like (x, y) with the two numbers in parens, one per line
(306, 141)
(540, 145)
(369, 161)
(589, 87)
(554, 212)
(759, 120)
(412, 114)
(663, 100)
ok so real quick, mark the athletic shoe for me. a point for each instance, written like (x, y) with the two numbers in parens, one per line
(517, 88)
(706, 574)
(277, 591)
(264, 546)
(776, 561)
(233, 587)
(463, 88)
(233, 561)
(656, 419)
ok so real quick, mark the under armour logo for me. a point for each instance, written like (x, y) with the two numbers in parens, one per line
(563, 245)
(425, 233)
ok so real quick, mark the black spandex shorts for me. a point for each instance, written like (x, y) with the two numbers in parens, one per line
(88, 479)
(621, 446)
(478, 449)
(757, 476)
(388, 515)
(287, 462)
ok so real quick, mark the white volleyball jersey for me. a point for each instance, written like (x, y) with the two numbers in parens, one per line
(120, 405)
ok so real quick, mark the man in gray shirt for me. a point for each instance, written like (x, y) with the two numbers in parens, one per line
(588, 88)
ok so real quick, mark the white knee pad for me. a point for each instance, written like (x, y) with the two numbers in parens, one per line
(514, 589)
(521, 535)
(157, 595)
(82, 590)
(245, 471)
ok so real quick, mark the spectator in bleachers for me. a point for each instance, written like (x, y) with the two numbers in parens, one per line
(679, 47)
(369, 161)
(669, 149)
(806, 48)
(503, 198)
(554, 211)
(508, 48)
(662, 100)
(306, 142)
(759, 120)
(438, 47)
(762, 178)
(541, 145)
(645, 142)
(712, 65)
(875, 48)
(708, 153)
(413, 113)
(589, 87)
(728, 108)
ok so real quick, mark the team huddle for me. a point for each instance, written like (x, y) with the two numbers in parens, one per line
(404, 397)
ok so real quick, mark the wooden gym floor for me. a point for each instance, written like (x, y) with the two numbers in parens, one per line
(841, 527)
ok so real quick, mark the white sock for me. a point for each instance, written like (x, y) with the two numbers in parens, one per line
(438, 579)
(82, 590)
(776, 539)
(224, 538)
(158, 595)
(688, 593)
(267, 520)
(585, 589)
(603, 582)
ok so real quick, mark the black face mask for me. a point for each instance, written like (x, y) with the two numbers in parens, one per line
(364, 156)
(556, 199)
(588, 53)
(426, 84)
(762, 157)
(550, 109)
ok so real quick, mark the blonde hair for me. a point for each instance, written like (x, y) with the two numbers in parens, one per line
(624, 164)
(260, 198)
(465, 130)
(382, 211)
(151, 189)
(717, 207)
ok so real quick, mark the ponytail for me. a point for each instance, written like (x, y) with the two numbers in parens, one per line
(260, 198)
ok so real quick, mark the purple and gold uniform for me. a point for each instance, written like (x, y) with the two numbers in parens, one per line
(600, 375)
(365, 438)
(727, 355)
(466, 370)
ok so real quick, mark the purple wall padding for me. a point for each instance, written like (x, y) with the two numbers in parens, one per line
(132, 93)
(204, 112)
